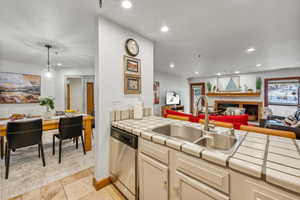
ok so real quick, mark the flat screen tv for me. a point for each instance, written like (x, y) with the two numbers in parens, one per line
(172, 98)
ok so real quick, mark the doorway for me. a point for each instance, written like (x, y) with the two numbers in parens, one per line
(90, 98)
(79, 94)
(196, 89)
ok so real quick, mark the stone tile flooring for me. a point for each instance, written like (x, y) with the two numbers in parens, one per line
(27, 172)
(75, 187)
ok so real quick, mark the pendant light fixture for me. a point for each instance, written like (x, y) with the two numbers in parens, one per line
(48, 70)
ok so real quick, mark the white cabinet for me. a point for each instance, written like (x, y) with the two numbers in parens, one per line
(195, 179)
(187, 188)
(153, 179)
(210, 174)
(246, 188)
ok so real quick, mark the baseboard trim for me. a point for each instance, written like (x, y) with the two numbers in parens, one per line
(98, 185)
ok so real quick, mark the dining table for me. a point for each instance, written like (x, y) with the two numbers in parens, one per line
(52, 124)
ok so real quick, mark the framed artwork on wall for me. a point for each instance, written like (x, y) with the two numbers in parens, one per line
(132, 65)
(132, 84)
(228, 84)
(19, 88)
(156, 92)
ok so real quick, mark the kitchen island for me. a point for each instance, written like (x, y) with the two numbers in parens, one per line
(260, 167)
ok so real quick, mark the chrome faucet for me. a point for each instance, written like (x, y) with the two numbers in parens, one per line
(196, 111)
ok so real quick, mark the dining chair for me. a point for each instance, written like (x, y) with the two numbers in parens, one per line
(2, 147)
(69, 128)
(23, 134)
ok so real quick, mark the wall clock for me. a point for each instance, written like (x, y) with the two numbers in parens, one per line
(132, 47)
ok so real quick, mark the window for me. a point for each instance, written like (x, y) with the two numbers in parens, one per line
(284, 91)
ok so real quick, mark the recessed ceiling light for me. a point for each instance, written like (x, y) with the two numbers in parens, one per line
(237, 72)
(251, 49)
(59, 64)
(164, 29)
(196, 72)
(219, 74)
(126, 4)
(172, 65)
(258, 65)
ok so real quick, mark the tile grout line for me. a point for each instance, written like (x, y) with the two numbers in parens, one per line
(264, 165)
(297, 146)
(63, 187)
(233, 153)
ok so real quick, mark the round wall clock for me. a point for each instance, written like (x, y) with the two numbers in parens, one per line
(132, 47)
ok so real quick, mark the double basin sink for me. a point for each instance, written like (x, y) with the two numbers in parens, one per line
(225, 141)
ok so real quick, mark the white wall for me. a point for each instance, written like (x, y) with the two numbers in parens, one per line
(170, 82)
(54, 87)
(249, 80)
(47, 88)
(110, 83)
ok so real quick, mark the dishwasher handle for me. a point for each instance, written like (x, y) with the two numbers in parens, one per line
(125, 137)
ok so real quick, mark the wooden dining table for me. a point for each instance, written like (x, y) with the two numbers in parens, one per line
(52, 124)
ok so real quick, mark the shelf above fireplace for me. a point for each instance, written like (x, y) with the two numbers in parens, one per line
(233, 94)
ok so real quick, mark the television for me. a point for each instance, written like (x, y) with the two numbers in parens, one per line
(172, 98)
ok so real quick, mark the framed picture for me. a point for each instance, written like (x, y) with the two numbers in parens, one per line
(132, 65)
(132, 84)
(156, 92)
(228, 84)
(19, 88)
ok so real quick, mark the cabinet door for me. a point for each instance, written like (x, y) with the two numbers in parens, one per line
(187, 188)
(153, 179)
(246, 188)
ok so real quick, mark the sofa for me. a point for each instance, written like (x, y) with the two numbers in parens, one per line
(273, 123)
(236, 120)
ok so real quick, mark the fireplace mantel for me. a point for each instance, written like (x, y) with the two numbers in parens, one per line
(233, 94)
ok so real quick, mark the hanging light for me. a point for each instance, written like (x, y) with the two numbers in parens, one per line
(48, 70)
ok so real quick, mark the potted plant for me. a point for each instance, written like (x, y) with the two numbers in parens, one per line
(258, 84)
(209, 86)
(49, 103)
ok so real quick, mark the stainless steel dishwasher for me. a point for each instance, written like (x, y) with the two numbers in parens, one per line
(123, 162)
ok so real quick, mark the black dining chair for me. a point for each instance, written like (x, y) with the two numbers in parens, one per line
(23, 134)
(69, 128)
(2, 146)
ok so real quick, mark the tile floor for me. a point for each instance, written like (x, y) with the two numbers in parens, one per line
(75, 187)
(27, 172)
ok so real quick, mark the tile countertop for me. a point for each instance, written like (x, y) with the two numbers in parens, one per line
(273, 159)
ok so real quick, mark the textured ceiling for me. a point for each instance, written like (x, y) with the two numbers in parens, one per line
(220, 31)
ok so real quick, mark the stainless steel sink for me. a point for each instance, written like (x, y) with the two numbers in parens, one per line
(225, 142)
(218, 141)
(182, 132)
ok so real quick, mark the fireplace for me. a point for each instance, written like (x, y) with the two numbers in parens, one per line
(252, 108)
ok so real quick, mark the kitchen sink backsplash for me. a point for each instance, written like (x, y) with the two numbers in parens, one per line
(117, 115)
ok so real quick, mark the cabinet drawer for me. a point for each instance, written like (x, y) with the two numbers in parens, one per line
(210, 174)
(187, 188)
(155, 151)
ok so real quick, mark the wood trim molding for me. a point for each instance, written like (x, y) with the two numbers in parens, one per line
(202, 84)
(233, 94)
(98, 185)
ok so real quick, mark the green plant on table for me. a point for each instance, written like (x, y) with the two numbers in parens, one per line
(48, 102)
